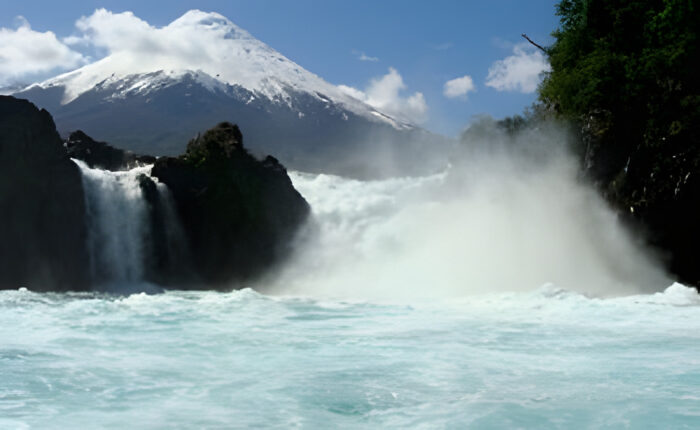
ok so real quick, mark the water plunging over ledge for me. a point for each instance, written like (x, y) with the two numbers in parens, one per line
(121, 236)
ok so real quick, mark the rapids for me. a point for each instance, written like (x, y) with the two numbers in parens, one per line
(549, 358)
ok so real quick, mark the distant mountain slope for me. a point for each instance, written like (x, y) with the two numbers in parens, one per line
(157, 106)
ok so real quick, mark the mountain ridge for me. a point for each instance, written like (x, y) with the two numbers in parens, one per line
(152, 105)
(247, 62)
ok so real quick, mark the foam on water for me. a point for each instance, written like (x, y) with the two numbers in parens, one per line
(549, 358)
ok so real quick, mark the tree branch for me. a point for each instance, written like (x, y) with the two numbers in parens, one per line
(535, 44)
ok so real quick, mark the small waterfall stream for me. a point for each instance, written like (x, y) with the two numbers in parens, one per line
(121, 229)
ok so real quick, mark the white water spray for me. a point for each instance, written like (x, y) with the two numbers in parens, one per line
(500, 220)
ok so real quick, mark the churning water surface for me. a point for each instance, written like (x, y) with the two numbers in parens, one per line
(545, 359)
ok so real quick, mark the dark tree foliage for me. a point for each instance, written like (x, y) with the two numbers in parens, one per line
(628, 57)
(626, 72)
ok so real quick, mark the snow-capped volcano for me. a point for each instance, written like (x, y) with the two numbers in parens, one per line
(158, 86)
(221, 53)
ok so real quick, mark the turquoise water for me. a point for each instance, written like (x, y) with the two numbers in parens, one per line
(542, 359)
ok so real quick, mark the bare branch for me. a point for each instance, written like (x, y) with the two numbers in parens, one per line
(535, 44)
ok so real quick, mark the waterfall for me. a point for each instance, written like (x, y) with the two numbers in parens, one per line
(123, 226)
(499, 225)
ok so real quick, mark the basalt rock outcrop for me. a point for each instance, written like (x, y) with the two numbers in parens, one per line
(42, 209)
(655, 185)
(101, 155)
(239, 214)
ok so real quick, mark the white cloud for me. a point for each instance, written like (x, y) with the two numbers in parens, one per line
(458, 87)
(24, 52)
(518, 72)
(384, 93)
(135, 41)
(364, 57)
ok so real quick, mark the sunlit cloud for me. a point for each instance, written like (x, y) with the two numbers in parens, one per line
(459, 87)
(25, 52)
(385, 94)
(520, 72)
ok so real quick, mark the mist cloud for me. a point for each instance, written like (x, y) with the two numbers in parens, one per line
(510, 215)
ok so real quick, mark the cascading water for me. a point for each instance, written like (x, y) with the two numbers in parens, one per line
(117, 222)
(174, 235)
(120, 231)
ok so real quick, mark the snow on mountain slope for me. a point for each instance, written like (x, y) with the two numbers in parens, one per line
(214, 50)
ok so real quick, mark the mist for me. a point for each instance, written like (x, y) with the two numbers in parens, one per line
(510, 214)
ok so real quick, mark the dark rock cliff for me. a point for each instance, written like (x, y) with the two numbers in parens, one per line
(239, 214)
(655, 184)
(42, 209)
(100, 155)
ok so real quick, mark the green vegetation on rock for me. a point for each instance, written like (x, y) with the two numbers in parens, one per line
(626, 70)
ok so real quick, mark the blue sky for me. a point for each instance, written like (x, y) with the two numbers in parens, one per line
(427, 43)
